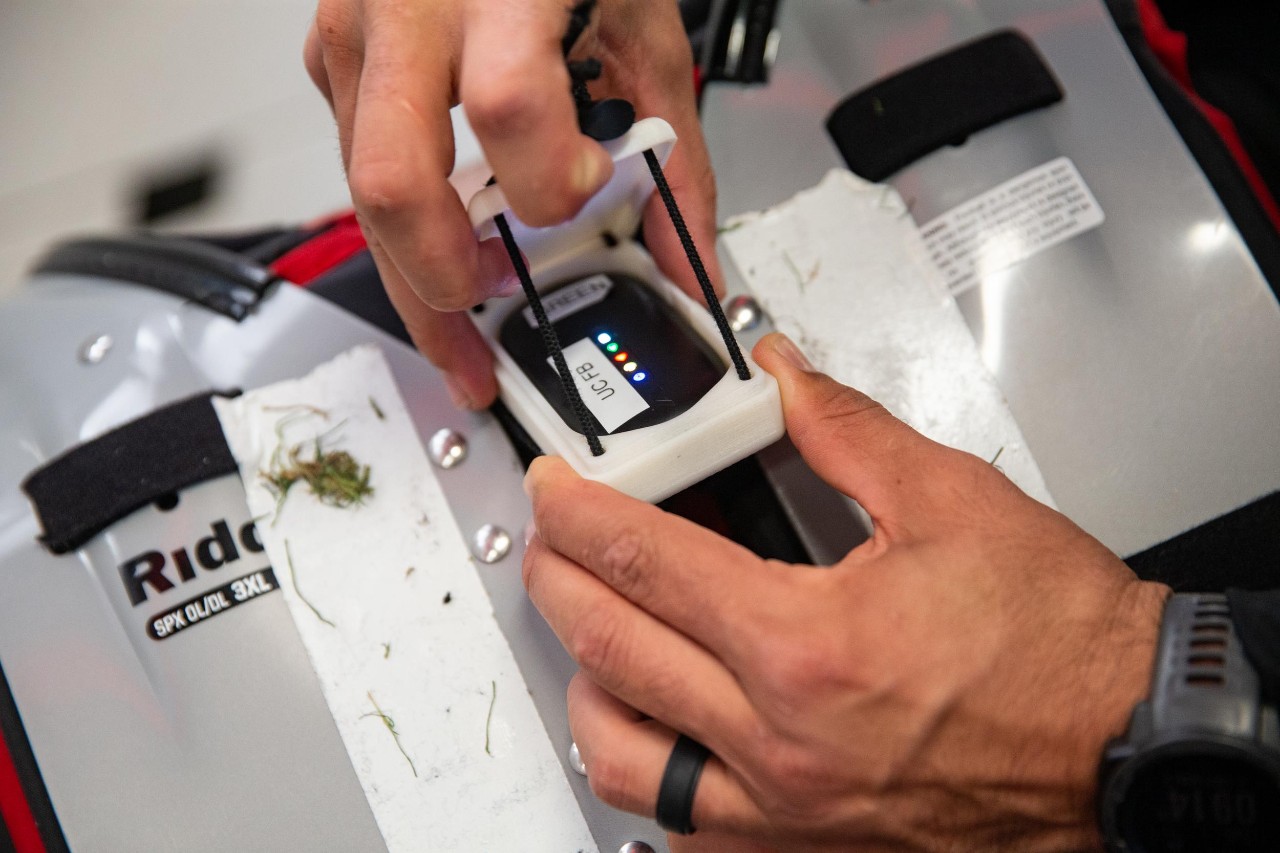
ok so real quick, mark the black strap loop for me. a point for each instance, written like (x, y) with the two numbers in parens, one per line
(219, 279)
(940, 101)
(93, 485)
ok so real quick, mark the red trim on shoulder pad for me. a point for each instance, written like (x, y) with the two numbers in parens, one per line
(1170, 47)
(339, 242)
(14, 810)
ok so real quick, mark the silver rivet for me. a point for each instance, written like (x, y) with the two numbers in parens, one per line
(490, 544)
(744, 313)
(575, 760)
(447, 448)
(635, 847)
(95, 349)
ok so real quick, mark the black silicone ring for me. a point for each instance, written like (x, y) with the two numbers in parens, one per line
(679, 783)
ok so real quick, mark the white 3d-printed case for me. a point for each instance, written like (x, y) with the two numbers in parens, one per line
(733, 420)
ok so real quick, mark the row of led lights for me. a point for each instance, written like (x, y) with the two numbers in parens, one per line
(620, 356)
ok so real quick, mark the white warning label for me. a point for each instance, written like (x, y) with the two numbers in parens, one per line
(603, 387)
(1024, 215)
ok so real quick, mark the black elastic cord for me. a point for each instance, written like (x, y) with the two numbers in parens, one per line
(579, 20)
(695, 261)
(549, 337)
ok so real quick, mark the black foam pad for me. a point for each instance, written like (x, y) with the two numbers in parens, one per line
(940, 101)
(89, 487)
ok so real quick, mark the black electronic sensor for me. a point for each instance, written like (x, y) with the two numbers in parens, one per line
(646, 366)
(637, 361)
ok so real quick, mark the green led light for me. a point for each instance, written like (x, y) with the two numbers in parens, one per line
(612, 347)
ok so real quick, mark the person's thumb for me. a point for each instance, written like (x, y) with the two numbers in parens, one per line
(848, 439)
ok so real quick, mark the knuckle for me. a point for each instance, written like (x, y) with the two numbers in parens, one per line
(335, 26)
(624, 559)
(802, 669)
(796, 781)
(597, 642)
(379, 188)
(500, 105)
(612, 781)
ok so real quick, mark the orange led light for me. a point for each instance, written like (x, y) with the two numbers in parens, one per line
(620, 357)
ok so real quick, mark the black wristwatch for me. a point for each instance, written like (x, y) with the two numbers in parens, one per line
(1198, 770)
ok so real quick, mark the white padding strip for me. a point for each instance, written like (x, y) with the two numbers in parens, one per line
(842, 270)
(412, 626)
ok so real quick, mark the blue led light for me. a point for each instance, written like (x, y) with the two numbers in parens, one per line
(604, 337)
(638, 377)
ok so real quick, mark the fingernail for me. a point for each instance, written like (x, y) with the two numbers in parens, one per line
(507, 287)
(541, 469)
(529, 530)
(590, 171)
(496, 272)
(791, 353)
(531, 475)
(459, 394)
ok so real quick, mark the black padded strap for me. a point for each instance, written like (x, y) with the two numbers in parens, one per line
(217, 278)
(1238, 549)
(95, 484)
(1256, 616)
(940, 101)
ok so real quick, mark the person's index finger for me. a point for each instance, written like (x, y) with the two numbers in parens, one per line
(697, 581)
(516, 93)
(401, 155)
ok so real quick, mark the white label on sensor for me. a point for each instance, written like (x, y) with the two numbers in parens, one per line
(571, 299)
(1023, 216)
(606, 390)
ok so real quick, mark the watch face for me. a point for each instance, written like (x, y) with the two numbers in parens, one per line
(1201, 804)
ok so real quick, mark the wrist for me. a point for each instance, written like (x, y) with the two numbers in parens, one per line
(1126, 660)
(1119, 677)
(1108, 650)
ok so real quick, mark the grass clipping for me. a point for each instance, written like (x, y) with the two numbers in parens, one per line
(334, 476)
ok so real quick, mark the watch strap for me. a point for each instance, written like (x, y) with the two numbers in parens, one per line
(1203, 682)
(1205, 701)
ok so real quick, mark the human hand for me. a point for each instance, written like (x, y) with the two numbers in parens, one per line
(948, 685)
(392, 69)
